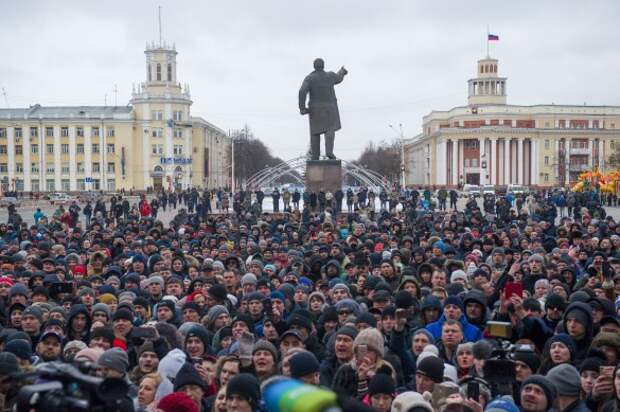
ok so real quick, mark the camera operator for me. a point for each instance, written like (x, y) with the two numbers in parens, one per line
(113, 363)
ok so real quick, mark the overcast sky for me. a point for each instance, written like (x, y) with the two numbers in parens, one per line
(245, 60)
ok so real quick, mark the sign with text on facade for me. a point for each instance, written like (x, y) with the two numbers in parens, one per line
(175, 160)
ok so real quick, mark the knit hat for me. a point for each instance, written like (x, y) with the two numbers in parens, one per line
(544, 384)
(502, 404)
(218, 292)
(101, 307)
(367, 318)
(246, 386)
(381, 383)
(555, 301)
(188, 375)
(248, 279)
(458, 275)
(156, 279)
(536, 258)
(372, 338)
(214, 312)
(592, 363)
(108, 298)
(432, 367)
(528, 357)
(8, 363)
(114, 358)
(103, 332)
(263, 344)
(177, 402)
(146, 347)
(404, 300)
(302, 364)
(579, 313)
(441, 392)
(199, 332)
(426, 333)
(74, 344)
(33, 311)
(566, 379)
(20, 348)
(92, 354)
(565, 340)
(406, 401)
(123, 314)
(347, 331)
(453, 300)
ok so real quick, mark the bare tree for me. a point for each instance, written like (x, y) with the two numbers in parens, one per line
(383, 158)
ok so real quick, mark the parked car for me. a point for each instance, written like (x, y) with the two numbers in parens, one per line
(488, 190)
(469, 190)
(61, 198)
(516, 189)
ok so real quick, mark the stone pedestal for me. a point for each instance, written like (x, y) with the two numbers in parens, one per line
(323, 175)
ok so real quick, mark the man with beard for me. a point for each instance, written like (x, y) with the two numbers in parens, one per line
(49, 347)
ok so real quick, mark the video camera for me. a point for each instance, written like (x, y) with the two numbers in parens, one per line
(65, 388)
(500, 370)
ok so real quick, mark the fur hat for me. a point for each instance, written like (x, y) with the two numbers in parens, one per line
(372, 338)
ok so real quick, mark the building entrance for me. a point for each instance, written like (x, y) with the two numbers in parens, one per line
(472, 178)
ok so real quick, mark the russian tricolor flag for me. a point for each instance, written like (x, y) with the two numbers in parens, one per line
(493, 37)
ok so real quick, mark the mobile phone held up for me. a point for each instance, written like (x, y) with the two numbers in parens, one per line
(513, 289)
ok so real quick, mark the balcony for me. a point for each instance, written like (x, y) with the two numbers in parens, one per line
(578, 167)
(579, 151)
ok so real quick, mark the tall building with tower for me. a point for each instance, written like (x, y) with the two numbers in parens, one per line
(153, 142)
(490, 142)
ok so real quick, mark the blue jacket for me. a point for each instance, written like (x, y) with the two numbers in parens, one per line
(470, 332)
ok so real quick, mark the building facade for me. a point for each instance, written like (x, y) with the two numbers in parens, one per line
(489, 142)
(153, 142)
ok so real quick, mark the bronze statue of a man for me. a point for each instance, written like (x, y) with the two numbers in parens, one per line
(322, 107)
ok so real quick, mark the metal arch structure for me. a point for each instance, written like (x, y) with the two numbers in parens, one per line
(297, 167)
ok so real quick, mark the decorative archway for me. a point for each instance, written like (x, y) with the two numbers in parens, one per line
(296, 168)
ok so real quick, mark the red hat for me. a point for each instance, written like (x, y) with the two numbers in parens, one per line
(177, 402)
(79, 269)
(7, 280)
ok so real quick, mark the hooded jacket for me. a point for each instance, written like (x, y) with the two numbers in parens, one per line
(582, 345)
(85, 335)
(478, 297)
(470, 332)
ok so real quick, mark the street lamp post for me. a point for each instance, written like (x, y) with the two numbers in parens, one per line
(401, 136)
(232, 163)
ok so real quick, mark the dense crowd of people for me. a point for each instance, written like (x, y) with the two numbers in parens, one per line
(407, 304)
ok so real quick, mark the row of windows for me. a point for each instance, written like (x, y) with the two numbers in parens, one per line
(49, 132)
(158, 149)
(177, 115)
(64, 168)
(158, 72)
(159, 132)
(64, 148)
(65, 185)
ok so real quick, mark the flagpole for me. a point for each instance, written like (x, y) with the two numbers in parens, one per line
(488, 41)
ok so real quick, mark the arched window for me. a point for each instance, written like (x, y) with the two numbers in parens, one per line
(158, 72)
(169, 72)
(158, 169)
(148, 75)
